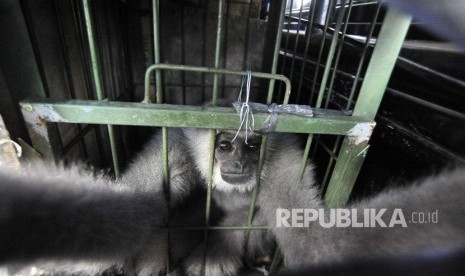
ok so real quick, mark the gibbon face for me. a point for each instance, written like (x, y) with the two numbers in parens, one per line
(237, 160)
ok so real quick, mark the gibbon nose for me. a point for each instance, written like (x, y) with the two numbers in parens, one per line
(238, 167)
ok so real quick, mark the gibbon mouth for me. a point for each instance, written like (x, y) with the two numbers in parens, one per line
(236, 178)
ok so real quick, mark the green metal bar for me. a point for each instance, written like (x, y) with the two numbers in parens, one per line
(260, 167)
(214, 102)
(329, 59)
(166, 176)
(379, 70)
(382, 63)
(156, 52)
(324, 80)
(69, 75)
(210, 176)
(308, 144)
(219, 34)
(307, 44)
(286, 44)
(159, 95)
(276, 262)
(296, 41)
(166, 185)
(261, 161)
(330, 163)
(246, 38)
(320, 52)
(330, 90)
(362, 58)
(274, 65)
(224, 50)
(93, 52)
(167, 115)
(269, 99)
(98, 82)
(114, 151)
(210, 70)
(345, 172)
(339, 51)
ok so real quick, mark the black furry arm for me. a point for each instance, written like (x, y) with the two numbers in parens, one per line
(50, 213)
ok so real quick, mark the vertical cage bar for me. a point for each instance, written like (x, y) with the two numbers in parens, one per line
(159, 100)
(277, 46)
(276, 262)
(166, 177)
(253, 200)
(320, 52)
(84, 56)
(269, 99)
(308, 35)
(362, 58)
(379, 70)
(93, 52)
(107, 62)
(308, 144)
(330, 90)
(246, 40)
(98, 82)
(204, 46)
(330, 163)
(159, 91)
(329, 59)
(69, 75)
(286, 43)
(339, 51)
(261, 161)
(296, 40)
(390, 39)
(156, 51)
(219, 32)
(183, 55)
(224, 44)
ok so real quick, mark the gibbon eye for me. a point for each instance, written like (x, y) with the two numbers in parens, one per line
(225, 146)
(253, 146)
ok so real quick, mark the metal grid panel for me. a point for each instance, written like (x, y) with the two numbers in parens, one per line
(356, 129)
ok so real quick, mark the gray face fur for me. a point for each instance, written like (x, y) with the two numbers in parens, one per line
(236, 159)
(235, 165)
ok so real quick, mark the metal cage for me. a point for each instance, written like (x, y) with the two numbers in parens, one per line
(305, 46)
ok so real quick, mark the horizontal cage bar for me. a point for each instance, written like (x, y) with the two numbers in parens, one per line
(175, 67)
(166, 115)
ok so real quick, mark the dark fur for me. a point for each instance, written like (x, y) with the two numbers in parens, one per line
(71, 215)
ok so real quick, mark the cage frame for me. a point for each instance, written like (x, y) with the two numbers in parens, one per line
(356, 129)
